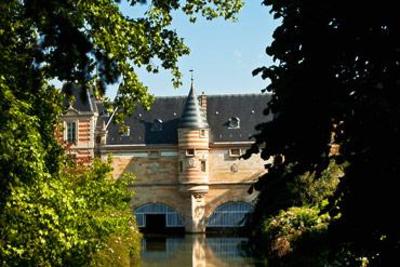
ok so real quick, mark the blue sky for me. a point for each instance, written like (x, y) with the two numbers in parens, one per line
(223, 54)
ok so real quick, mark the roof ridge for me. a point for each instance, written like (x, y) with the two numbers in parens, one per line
(213, 95)
(167, 96)
(238, 94)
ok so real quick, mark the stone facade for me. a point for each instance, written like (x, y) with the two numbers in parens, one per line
(194, 172)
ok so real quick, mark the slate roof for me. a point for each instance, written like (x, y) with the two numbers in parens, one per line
(248, 108)
(166, 109)
(192, 117)
(83, 100)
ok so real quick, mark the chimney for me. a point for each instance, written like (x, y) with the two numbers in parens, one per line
(203, 103)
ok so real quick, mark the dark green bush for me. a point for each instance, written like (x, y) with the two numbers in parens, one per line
(283, 231)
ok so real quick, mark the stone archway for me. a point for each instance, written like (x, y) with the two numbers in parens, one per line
(171, 217)
(230, 214)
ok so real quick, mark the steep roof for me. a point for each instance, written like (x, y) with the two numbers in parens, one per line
(247, 109)
(83, 100)
(192, 116)
(166, 110)
(160, 124)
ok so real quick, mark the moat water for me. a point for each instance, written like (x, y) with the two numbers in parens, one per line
(197, 251)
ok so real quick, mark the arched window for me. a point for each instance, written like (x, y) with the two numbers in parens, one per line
(172, 218)
(231, 214)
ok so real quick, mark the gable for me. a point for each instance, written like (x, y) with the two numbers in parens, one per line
(71, 112)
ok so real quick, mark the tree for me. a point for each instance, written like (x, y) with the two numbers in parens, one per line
(337, 71)
(87, 42)
(92, 41)
(64, 221)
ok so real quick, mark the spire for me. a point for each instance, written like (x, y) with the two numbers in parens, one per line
(192, 117)
(191, 79)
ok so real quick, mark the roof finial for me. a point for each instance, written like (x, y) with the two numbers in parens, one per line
(191, 79)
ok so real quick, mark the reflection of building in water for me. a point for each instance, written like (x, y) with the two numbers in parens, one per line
(198, 251)
(160, 248)
(195, 251)
(228, 251)
(185, 153)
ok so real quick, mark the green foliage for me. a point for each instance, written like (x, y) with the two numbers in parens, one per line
(336, 71)
(299, 236)
(212, 9)
(310, 189)
(295, 218)
(53, 214)
(280, 190)
(283, 231)
(93, 43)
(64, 221)
(121, 250)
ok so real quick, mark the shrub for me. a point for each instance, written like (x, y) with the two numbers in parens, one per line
(121, 250)
(65, 220)
(312, 189)
(283, 231)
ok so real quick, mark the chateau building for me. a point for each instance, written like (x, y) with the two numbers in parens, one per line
(185, 153)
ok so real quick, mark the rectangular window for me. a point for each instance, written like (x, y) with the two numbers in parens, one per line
(190, 152)
(202, 133)
(234, 152)
(181, 166)
(203, 166)
(71, 132)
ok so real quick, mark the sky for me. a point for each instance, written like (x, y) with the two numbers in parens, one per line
(223, 54)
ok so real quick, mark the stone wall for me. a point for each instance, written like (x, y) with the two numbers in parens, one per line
(226, 168)
(157, 173)
(148, 166)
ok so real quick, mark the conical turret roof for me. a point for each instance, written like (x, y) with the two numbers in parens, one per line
(192, 116)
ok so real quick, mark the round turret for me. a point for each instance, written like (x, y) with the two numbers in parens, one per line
(193, 144)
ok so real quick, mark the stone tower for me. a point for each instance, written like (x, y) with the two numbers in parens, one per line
(193, 146)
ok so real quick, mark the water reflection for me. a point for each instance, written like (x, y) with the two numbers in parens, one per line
(195, 251)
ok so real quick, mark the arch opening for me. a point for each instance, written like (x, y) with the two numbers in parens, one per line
(156, 217)
(230, 215)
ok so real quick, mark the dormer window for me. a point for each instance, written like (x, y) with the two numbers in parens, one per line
(234, 123)
(157, 125)
(71, 132)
